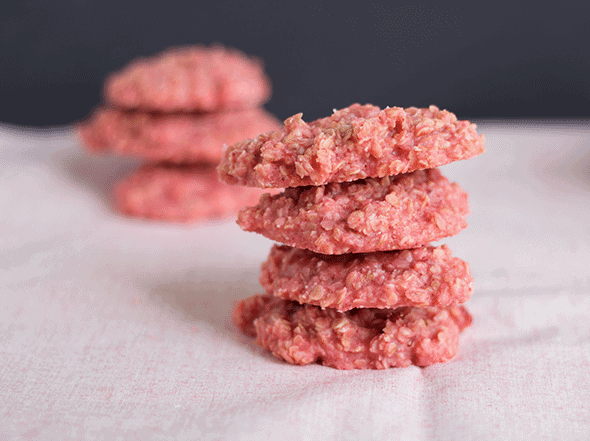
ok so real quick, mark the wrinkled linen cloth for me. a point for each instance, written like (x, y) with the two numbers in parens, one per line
(119, 329)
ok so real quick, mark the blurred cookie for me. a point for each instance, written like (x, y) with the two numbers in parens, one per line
(356, 339)
(381, 214)
(175, 138)
(188, 79)
(180, 193)
(426, 276)
(354, 143)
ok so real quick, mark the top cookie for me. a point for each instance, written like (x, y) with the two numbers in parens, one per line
(193, 78)
(356, 142)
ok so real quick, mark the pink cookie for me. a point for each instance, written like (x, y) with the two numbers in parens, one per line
(356, 339)
(181, 194)
(354, 143)
(382, 214)
(426, 276)
(176, 138)
(190, 79)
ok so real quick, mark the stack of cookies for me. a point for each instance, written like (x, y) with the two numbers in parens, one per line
(176, 110)
(357, 284)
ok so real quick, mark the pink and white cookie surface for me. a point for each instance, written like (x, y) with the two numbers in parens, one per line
(425, 276)
(354, 143)
(185, 193)
(189, 79)
(357, 339)
(176, 137)
(374, 214)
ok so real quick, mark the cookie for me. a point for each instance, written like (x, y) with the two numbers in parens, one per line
(188, 79)
(354, 143)
(180, 194)
(175, 138)
(356, 339)
(420, 277)
(374, 214)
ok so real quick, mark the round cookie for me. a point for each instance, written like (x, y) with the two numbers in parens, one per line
(382, 214)
(176, 138)
(188, 79)
(420, 277)
(356, 339)
(180, 194)
(356, 142)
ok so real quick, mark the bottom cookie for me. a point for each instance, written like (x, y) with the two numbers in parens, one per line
(180, 193)
(363, 338)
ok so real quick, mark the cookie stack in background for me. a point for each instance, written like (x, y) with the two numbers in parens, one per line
(176, 110)
(357, 284)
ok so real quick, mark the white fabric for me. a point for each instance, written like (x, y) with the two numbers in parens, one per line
(120, 329)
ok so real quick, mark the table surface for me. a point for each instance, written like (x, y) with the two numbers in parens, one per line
(114, 328)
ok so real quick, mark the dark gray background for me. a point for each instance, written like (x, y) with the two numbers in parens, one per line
(478, 59)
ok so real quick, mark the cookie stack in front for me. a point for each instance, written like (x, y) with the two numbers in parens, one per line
(175, 111)
(357, 284)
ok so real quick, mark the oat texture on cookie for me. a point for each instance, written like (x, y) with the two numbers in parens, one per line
(176, 111)
(354, 143)
(356, 283)
(189, 79)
